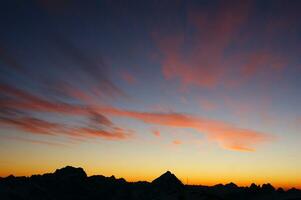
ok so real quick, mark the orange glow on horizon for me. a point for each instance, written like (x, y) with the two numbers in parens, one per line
(148, 176)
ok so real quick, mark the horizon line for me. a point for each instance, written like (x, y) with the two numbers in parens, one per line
(286, 188)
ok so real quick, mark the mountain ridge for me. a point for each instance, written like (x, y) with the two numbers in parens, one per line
(73, 183)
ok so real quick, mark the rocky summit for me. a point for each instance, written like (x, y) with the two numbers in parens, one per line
(167, 181)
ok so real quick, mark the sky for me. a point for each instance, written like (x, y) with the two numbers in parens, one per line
(209, 90)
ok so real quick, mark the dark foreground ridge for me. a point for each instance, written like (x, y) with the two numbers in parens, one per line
(73, 183)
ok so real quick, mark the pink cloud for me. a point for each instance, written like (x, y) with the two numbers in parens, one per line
(21, 99)
(32, 125)
(114, 134)
(201, 65)
(75, 93)
(42, 127)
(176, 142)
(203, 59)
(16, 112)
(225, 134)
(156, 133)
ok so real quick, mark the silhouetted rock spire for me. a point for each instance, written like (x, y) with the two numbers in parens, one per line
(167, 181)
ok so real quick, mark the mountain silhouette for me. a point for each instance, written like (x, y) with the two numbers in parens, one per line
(168, 183)
(70, 183)
(167, 180)
(69, 172)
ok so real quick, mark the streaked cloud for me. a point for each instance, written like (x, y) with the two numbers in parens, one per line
(32, 125)
(34, 141)
(214, 49)
(18, 108)
(113, 134)
(225, 134)
(69, 91)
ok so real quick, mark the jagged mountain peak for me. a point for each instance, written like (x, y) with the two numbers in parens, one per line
(167, 179)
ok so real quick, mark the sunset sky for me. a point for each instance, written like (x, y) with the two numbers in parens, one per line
(210, 90)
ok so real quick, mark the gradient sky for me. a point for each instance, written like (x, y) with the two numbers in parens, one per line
(209, 90)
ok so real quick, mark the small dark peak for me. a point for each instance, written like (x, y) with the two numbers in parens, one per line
(294, 190)
(70, 172)
(121, 180)
(10, 177)
(267, 188)
(141, 183)
(254, 187)
(168, 173)
(116, 180)
(167, 181)
(218, 186)
(112, 178)
(231, 185)
(280, 190)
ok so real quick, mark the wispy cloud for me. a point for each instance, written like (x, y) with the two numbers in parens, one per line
(69, 91)
(33, 141)
(214, 49)
(225, 134)
(156, 133)
(32, 125)
(80, 88)
(176, 142)
(18, 108)
(113, 134)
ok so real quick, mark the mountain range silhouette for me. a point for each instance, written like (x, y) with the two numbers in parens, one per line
(73, 183)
